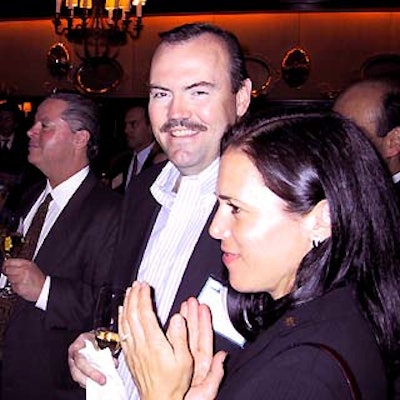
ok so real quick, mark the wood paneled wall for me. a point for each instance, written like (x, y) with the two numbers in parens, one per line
(337, 43)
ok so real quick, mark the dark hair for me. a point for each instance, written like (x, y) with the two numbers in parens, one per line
(187, 32)
(81, 113)
(389, 117)
(307, 158)
(11, 107)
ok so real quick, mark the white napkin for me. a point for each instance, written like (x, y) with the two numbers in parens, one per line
(103, 361)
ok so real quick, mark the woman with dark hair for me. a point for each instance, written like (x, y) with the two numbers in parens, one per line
(308, 223)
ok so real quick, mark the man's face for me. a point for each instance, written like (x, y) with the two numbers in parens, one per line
(51, 145)
(7, 123)
(138, 133)
(191, 101)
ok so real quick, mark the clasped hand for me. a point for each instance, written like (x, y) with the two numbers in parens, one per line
(177, 365)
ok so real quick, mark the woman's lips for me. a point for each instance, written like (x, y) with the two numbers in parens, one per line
(228, 258)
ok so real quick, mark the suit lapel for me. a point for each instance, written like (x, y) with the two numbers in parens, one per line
(60, 234)
(139, 212)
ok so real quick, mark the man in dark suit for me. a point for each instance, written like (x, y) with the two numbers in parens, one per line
(199, 86)
(374, 105)
(143, 151)
(57, 287)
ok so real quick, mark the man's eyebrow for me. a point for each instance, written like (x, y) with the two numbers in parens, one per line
(201, 83)
(191, 86)
(157, 87)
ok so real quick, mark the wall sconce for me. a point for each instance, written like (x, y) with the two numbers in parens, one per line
(109, 22)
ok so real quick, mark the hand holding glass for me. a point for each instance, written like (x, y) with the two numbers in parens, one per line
(106, 318)
(11, 236)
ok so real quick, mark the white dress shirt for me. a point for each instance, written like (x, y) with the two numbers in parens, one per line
(178, 226)
(61, 195)
(8, 140)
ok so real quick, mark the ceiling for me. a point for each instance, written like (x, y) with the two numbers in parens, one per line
(15, 9)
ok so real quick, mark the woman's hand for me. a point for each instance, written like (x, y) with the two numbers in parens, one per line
(208, 369)
(161, 365)
(176, 365)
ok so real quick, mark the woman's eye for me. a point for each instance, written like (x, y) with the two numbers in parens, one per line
(234, 209)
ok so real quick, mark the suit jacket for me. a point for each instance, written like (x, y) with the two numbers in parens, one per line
(139, 212)
(76, 254)
(271, 368)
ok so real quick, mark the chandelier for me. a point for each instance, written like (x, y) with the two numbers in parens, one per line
(105, 22)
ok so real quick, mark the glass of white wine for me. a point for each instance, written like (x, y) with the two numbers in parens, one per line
(12, 239)
(106, 318)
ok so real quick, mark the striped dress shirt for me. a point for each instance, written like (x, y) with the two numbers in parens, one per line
(178, 226)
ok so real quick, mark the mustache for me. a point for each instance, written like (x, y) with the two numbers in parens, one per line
(184, 123)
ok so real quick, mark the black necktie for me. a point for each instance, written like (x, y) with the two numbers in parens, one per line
(132, 170)
(32, 236)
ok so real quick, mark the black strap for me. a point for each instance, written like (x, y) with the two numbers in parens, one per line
(341, 363)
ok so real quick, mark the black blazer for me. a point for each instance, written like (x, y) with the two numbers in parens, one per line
(76, 254)
(139, 212)
(270, 368)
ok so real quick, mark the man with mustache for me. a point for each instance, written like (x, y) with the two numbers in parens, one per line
(199, 87)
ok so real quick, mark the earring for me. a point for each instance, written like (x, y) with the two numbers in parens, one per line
(316, 243)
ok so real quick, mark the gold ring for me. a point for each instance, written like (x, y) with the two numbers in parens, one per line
(124, 337)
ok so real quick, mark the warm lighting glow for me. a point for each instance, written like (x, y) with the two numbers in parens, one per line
(26, 107)
(99, 22)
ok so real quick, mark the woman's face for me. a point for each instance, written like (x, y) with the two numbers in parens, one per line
(262, 243)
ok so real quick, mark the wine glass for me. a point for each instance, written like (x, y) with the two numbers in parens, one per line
(11, 239)
(106, 318)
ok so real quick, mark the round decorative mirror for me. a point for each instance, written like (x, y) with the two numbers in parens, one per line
(58, 60)
(296, 67)
(261, 74)
(98, 75)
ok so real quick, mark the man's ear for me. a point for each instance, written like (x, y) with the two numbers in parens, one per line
(391, 143)
(81, 138)
(243, 97)
(319, 222)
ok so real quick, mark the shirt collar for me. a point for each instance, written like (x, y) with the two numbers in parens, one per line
(163, 187)
(64, 191)
(144, 153)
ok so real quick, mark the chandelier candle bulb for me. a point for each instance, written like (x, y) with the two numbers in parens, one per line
(58, 6)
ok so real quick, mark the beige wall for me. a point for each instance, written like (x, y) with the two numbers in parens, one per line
(337, 44)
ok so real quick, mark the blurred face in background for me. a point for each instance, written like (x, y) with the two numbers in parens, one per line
(191, 100)
(137, 130)
(8, 123)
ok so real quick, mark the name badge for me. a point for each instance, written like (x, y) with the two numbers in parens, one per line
(214, 295)
(3, 281)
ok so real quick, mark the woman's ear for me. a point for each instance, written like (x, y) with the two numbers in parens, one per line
(320, 222)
